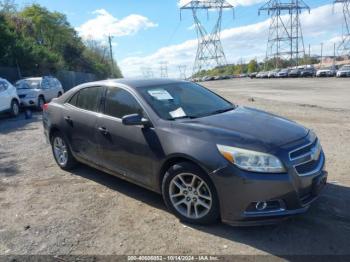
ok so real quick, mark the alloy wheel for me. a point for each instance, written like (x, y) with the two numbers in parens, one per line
(190, 195)
(60, 151)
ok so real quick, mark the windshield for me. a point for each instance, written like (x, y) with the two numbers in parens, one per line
(28, 84)
(184, 100)
(347, 67)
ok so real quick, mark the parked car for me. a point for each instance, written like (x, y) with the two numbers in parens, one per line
(36, 91)
(208, 157)
(344, 71)
(283, 73)
(207, 78)
(9, 100)
(308, 72)
(273, 73)
(253, 75)
(262, 74)
(327, 72)
(295, 72)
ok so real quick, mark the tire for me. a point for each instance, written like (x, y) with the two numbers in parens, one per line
(41, 102)
(195, 206)
(58, 140)
(14, 108)
(59, 94)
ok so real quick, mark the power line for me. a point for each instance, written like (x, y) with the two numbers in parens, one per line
(210, 53)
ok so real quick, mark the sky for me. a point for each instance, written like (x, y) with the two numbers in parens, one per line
(149, 32)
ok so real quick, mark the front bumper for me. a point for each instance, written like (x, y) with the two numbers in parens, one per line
(285, 195)
(29, 102)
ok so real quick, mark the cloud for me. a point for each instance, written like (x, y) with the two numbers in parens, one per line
(105, 24)
(244, 42)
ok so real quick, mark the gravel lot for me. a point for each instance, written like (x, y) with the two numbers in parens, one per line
(44, 210)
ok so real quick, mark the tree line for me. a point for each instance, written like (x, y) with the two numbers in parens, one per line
(37, 42)
(255, 66)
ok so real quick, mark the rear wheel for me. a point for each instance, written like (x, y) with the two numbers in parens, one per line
(62, 153)
(190, 195)
(14, 108)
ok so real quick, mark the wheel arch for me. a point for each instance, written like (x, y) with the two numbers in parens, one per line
(175, 159)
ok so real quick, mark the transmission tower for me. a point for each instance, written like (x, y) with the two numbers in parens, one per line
(147, 72)
(285, 32)
(182, 70)
(210, 53)
(164, 69)
(344, 47)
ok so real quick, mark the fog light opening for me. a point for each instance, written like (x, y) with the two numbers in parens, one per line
(260, 206)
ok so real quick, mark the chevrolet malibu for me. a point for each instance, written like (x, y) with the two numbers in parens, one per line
(210, 159)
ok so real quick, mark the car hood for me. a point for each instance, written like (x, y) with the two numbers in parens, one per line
(324, 70)
(245, 127)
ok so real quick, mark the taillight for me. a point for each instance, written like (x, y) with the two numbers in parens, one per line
(45, 107)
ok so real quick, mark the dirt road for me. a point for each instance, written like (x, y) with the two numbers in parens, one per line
(44, 210)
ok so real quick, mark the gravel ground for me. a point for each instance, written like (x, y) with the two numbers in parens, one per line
(44, 210)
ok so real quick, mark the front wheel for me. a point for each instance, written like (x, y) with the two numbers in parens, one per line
(62, 153)
(190, 195)
(14, 108)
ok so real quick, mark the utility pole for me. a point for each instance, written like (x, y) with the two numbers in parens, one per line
(321, 54)
(285, 39)
(210, 52)
(333, 54)
(111, 54)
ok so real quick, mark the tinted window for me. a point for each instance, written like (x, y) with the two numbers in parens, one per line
(89, 98)
(120, 103)
(74, 99)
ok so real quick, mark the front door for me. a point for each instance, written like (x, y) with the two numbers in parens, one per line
(127, 150)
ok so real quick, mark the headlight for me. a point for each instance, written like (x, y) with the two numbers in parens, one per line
(251, 160)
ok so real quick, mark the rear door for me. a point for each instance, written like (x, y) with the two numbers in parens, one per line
(127, 150)
(80, 115)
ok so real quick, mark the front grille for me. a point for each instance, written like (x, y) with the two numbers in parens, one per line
(308, 166)
(302, 151)
(307, 159)
(22, 96)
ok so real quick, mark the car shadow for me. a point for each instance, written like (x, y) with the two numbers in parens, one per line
(9, 124)
(323, 230)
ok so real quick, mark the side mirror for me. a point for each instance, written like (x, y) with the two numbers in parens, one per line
(135, 120)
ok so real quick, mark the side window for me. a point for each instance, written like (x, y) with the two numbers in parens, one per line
(45, 84)
(74, 99)
(119, 103)
(89, 98)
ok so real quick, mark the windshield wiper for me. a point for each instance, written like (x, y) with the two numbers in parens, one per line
(183, 117)
(220, 111)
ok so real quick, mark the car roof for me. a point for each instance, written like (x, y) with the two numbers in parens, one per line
(138, 83)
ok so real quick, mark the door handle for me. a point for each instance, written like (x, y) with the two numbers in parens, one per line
(68, 119)
(103, 130)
